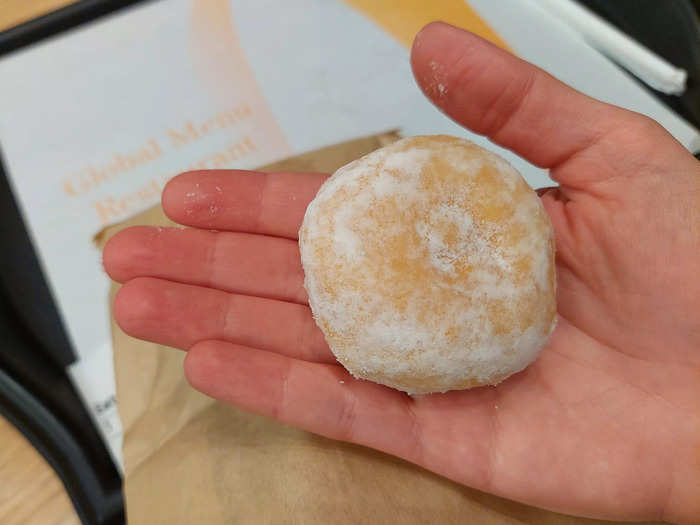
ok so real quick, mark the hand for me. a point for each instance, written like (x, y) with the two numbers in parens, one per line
(606, 422)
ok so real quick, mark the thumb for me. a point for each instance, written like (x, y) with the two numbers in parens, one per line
(519, 106)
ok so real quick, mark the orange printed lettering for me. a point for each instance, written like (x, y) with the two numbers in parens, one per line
(183, 137)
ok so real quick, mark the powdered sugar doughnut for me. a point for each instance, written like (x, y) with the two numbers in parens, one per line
(430, 266)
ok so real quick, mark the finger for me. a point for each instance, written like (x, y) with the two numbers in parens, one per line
(242, 201)
(235, 262)
(521, 107)
(320, 398)
(180, 315)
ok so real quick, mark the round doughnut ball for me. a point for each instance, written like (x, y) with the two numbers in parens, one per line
(429, 266)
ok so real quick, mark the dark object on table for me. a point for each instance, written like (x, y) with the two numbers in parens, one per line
(39, 400)
(36, 395)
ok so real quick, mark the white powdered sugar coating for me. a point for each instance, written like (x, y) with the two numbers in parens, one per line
(429, 266)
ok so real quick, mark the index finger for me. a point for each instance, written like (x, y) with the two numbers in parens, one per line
(242, 201)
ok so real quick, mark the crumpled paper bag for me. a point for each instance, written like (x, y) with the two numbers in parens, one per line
(189, 459)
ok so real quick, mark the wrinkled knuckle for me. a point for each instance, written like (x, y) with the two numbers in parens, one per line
(284, 394)
(506, 104)
(215, 258)
(416, 433)
(347, 417)
(232, 315)
(306, 339)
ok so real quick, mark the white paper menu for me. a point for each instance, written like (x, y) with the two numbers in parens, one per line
(94, 121)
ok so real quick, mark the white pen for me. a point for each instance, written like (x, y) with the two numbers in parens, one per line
(606, 38)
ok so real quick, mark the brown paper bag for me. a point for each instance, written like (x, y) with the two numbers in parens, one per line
(190, 460)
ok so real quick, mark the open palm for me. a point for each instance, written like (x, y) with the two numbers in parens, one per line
(605, 423)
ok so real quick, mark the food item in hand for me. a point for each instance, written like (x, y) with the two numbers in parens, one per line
(430, 266)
